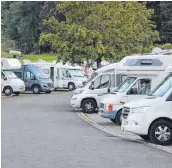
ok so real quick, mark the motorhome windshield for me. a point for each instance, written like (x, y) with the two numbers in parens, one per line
(10, 75)
(125, 85)
(76, 72)
(38, 72)
(163, 88)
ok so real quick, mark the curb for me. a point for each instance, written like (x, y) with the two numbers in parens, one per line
(7, 97)
(86, 118)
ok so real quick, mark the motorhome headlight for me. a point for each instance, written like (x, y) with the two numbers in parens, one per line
(78, 91)
(140, 109)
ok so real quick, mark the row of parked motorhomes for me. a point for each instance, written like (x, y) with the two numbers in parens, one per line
(135, 93)
(38, 77)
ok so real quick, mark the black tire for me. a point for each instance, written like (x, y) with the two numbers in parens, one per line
(71, 86)
(8, 91)
(17, 93)
(118, 117)
(36, 89)
(113, 120)
(91, 103)
(145, 137)
(48, 92)
(165, 135)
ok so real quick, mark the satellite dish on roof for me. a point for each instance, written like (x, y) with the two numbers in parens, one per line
(157, 51)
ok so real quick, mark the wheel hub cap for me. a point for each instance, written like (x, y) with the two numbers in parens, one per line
(70, 87)
(88, 106)
(162, 133)
(36, 89)
(7, 91)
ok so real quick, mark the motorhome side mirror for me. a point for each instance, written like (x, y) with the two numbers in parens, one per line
(32, 77)
(92, 86)
(5, 78)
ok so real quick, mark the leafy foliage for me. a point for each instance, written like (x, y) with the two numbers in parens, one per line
(85, 30)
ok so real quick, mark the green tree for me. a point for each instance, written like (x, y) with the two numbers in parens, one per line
(166, 22)
(21, 24)
(96, 29)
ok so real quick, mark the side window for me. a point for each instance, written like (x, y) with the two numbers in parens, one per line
(105, 80)
(30, 75)
(46, 71)
(97, 83)
(102, 82)
(18, 74)
(2, 75)
(66, 74)
(169, 97)
(141, 87)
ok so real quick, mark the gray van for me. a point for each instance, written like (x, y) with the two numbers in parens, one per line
(35, 79)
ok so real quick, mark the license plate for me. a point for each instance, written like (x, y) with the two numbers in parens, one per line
(22, 90)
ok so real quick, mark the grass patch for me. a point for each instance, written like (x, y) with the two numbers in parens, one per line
(36, 57)
(33, 57)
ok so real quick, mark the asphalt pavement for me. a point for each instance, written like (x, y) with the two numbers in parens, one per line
(41, 131)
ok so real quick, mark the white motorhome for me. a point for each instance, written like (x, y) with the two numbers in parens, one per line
(108, 78)
(10, 83)
(151, 117)
(63, 76)
(144, 73)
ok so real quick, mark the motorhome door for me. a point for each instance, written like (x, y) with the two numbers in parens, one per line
(58, 78)
(52, 73)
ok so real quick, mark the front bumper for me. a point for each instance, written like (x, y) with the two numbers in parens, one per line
(136, 124)
(107, 114)
(75, 102)
(18, 89)
(47, 87)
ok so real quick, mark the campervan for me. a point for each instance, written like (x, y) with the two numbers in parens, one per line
(63, 76)
(106, 80)
(144, 73)
(151, 117)
(35, 79)
(10, 83)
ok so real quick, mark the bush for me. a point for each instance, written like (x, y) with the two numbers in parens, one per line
(166, 46)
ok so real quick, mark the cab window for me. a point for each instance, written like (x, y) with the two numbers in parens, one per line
(30, 75)
(169, 97)
(66, 74)
(105, 80)
(141, 87)
(2, 75)
(102, 82)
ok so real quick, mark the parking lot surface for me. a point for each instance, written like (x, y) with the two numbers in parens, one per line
(41, 131)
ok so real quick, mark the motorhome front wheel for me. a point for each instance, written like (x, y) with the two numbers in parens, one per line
(71, 86)
(89, 106)
(36, 89)
(161, 132)
(8, 91)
